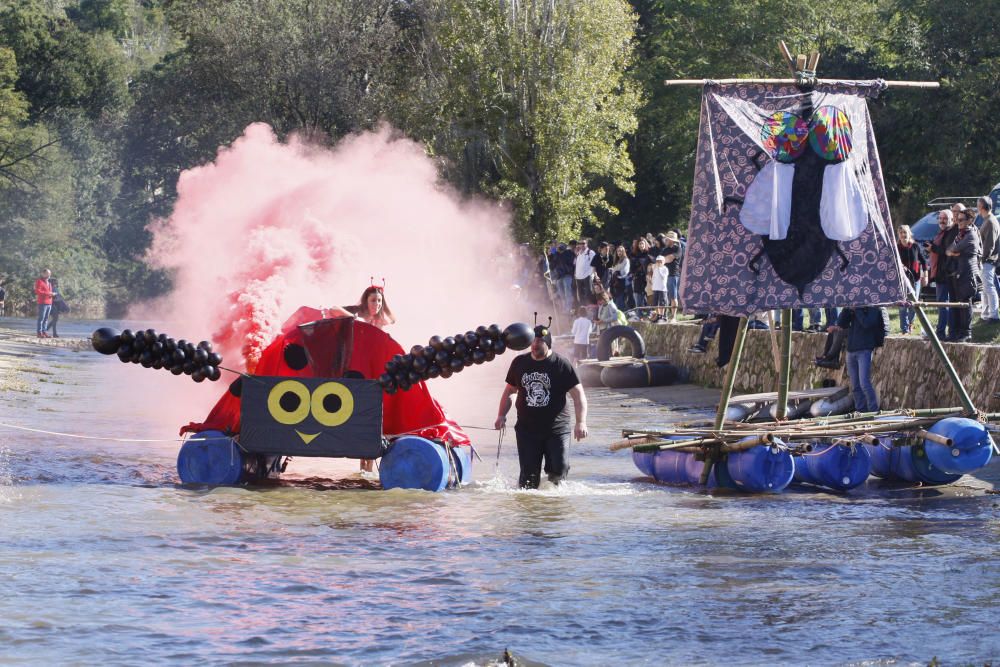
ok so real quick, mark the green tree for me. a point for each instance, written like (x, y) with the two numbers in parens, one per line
(700, 39)
(530, 102)
(62, 94)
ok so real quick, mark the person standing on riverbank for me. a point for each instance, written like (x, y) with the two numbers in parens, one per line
(989, 233)
(582, 326)
(965, 254)
(583, 274)
(542, 379)
(673, 255)
(3, 298)
(914, 263)
(59, 306)
(939, 264)
(43, 296)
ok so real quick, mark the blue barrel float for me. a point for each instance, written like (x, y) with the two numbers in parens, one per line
(679, 468)
(971, 447)
(930, 462)
(212, 457)
(761, 469)
(837, 467)
(412, 462)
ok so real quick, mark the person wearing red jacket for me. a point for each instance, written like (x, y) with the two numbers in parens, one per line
(43, 294)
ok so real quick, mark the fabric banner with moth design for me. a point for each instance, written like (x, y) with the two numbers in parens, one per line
(788, 208)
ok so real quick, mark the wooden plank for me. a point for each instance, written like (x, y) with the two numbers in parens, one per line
(789, 60)
(770, 396)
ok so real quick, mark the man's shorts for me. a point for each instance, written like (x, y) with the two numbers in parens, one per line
(659, 298)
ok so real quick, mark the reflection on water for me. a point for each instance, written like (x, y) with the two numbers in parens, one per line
(109, 560)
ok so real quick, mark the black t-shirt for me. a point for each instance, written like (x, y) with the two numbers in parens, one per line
(541, 392)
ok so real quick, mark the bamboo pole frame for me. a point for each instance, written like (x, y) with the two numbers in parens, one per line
(956, 381)
(734, 363)
(785, 369)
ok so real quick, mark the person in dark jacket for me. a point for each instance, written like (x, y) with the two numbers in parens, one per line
(915, 271)
(638, 264)
(864, 326)
(939, 261)
(59, 307)
(602, 263)
(964, 253)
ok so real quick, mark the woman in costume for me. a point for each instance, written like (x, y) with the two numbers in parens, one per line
(373, 308)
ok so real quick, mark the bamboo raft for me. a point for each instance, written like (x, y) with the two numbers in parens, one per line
(933, 446)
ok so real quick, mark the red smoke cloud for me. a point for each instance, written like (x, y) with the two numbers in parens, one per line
(270, 226)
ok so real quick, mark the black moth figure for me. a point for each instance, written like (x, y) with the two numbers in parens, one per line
(806, 199)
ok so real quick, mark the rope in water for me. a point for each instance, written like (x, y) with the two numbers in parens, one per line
(95, 437)
(108, 439)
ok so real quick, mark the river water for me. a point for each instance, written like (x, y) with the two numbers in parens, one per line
(107, 559)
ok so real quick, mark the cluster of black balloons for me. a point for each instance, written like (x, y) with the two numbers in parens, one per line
(443, 357)
(157, 350)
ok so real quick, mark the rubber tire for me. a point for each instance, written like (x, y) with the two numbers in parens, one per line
(664, 373)
(658, 374)
(589, 375)
(611, 334)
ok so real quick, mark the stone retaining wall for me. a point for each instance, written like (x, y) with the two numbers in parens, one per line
(906, 372)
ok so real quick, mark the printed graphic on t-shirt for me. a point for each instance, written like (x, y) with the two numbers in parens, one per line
(537, 389)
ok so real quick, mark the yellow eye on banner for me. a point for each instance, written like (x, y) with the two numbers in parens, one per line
(332, 404)
(288, 402)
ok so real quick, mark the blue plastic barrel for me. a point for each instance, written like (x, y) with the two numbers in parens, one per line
(908, 463)
(680, 468)
(971, 447)
(837, 467)
(644, 462)
(671, 467)
(210, 457)
(413, 462)
(462, 456)
(761, 469)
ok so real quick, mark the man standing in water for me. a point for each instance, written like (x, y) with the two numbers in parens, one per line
(541, 380)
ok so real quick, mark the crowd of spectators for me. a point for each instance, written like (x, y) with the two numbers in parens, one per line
(640, 279)
(642, 276)
(961, 262)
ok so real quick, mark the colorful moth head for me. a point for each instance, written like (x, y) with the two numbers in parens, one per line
(785, 135)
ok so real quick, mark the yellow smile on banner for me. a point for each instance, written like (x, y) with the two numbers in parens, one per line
(307, 438)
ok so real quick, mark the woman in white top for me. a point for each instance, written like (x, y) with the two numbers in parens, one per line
(621, 283)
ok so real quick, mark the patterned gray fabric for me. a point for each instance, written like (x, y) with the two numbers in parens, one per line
(721, 274)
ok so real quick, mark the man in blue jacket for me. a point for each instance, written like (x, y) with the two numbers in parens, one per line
(865, 331)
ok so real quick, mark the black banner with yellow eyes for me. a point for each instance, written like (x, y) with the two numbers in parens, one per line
(311, 417)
